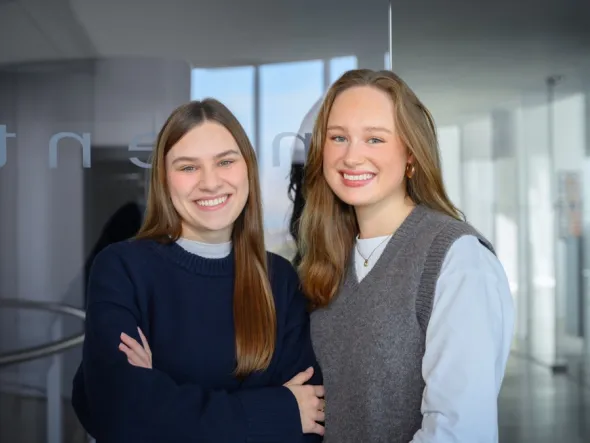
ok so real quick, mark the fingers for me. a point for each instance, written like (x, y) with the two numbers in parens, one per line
(145, 343)
(311, 406)
(300, 378)
(319, 415)
(136, 354)
(132, 357)
(316, 392)
(316, 428)
(132, 343)
(319, 405)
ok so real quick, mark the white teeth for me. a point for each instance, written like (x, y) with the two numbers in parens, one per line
(359, 177)
(212, 202)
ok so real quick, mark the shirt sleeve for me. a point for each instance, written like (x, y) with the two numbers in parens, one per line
(126, 403)
(468, 343)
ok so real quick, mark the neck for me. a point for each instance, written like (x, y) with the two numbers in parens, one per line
(383, 218)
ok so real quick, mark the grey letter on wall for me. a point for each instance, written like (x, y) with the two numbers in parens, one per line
(137, 145)
(84, 141)
(3, 138)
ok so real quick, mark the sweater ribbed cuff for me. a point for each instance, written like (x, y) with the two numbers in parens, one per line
(272, 414)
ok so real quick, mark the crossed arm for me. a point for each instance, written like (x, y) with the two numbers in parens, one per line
(120, 402)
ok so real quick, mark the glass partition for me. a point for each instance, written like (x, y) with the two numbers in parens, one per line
(84, 89)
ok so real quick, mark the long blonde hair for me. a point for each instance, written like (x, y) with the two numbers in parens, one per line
(328, 226)
(254, 308)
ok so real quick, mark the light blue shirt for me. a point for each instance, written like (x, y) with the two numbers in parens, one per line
(467, 342)
(206, 250)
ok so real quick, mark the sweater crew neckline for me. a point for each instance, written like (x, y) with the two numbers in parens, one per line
(223, 266)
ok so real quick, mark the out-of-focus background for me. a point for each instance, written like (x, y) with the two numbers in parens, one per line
(85, 86)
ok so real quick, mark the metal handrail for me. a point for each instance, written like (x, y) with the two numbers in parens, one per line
(48, 349)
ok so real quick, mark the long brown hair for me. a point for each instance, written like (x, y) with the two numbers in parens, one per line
(254, 309)
(328, 226)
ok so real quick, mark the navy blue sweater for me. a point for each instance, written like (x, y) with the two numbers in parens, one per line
(184, 305)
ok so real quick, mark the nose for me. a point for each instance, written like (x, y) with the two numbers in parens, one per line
(210, 180)
(352, 156)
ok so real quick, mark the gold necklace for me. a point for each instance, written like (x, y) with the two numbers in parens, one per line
(366, 263)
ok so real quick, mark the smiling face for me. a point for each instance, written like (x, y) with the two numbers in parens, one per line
(364, 160)
(207, 179)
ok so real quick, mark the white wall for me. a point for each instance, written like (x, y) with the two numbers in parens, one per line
(449, 141)
(489, 186)
(569, 143)
(586, 219)
(506, 202)
(545, 276)
(478, 175)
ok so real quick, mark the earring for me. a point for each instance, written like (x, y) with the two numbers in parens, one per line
(410, 170)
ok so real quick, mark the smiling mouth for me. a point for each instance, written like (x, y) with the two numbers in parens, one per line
(213, 203)
(356, 180)
(358, 177)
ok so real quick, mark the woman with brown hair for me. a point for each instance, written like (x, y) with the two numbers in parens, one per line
(413, 316)
(223, 326)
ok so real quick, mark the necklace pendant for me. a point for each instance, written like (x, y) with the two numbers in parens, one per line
(366, 263)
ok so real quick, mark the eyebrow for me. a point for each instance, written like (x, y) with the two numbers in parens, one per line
(366, 128)
(217, 156)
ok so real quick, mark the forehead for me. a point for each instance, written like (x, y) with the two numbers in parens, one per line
(204, 141)
(363, 105)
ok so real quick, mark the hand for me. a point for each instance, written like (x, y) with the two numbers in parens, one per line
(136, 354)
(310, 401)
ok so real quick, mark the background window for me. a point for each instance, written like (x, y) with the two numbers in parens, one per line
(340, 65)
(234, 87)
(288, 91)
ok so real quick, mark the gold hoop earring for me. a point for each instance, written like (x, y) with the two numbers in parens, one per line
(410, 170)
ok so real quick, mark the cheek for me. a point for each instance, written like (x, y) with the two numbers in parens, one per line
(393, 160)
(329, 154)
(238, 178)
(331, 157)
(179, 184)
(395, 167)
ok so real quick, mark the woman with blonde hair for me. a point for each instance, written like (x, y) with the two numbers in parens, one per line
(194, 333)
(413, 316)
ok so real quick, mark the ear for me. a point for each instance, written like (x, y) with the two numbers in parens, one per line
(410, 157)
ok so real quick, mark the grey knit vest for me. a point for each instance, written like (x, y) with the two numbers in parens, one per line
(370, 340)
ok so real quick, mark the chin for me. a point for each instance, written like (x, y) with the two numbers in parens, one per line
(211, 222)
(353, 197)
(211, 229)
(357, 200)
(217, 227)
(215, 222)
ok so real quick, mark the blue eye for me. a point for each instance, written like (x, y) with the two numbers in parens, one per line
(375, 140)
(338, 138)
(187, 168)
(225, 162)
